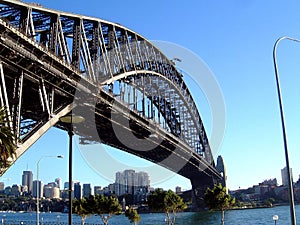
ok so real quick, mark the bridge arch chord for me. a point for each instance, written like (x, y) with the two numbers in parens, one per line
(102, 53)
(165, 103)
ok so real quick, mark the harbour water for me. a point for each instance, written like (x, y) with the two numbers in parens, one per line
(261, 216)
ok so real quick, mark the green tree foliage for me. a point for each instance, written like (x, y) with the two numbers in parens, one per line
(133, 216)
(218, 199)
(168, 202)
(105, 207)
(269, 202)
(7, 140)
(82, 208)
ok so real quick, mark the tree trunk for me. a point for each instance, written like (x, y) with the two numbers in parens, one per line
(82, 221)
(174, 217)
(168, 219)
(104, 219)
(223, 217)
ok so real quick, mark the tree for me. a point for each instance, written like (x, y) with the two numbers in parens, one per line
(168, 202)
(132, 215)
(218, 199)
(7, 140)
(106, 207)
(82, 208)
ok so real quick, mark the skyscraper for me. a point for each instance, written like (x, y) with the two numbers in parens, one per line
(27, 180)
(130, 182)
(98, 190)
(16, 190)
(77, 190)
(86, 190)
(1, 186)
(58, 182)
(284, 176)
(37, 185)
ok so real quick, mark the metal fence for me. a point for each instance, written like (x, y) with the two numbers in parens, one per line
(33, 222)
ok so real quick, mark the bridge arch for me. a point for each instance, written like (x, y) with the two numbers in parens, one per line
(55, 54)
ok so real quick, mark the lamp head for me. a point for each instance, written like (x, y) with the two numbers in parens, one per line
(275, 217)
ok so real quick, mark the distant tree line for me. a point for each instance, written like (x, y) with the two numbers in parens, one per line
(25, 203)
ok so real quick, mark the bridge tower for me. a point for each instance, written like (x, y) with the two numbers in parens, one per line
(221, 168)
(206, 179)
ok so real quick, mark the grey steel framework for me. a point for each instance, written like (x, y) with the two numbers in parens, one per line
(52, 62)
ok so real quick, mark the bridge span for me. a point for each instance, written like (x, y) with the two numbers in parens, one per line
(132, 97)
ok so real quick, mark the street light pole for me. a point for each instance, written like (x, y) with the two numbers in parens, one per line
(38, 185)
(70, 119)
(70, 133)
(290, 183)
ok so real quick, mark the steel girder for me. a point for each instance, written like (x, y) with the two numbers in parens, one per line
(88, 53)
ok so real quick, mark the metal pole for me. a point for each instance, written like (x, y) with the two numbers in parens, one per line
(38, 186)
(70, 119)
(37, 193)
(70, 132)
(290, 183)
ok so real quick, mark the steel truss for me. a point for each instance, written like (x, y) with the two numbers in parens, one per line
(55, 54)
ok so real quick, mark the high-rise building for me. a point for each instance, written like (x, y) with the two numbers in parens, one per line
(51, 191)
(37, 185)
(52, 184)
(66, 185)
(143, 179)
(284, 176)
(98, 190)
(7, 190)
(130, 182)
(86, 190)
(178, 190)
(24, 190)
(56, 193)
(48, 191)
(77, 190)
(110, 189)
(27, 179)
(58, 182)
(1, 186)
(16, 190)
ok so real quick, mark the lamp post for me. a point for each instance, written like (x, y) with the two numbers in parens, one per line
(275, 218)
(290, 183)
(70, 119)
(38, 186)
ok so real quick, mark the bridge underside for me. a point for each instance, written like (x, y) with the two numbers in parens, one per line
(123, 130)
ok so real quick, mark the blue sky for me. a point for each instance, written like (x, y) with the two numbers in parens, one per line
(235, 39)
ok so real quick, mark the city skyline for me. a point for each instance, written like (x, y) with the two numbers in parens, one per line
(126, 182)
(239, 52)
(142, 176)
(124, 177)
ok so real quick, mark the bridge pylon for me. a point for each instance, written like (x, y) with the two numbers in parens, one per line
(201, 181)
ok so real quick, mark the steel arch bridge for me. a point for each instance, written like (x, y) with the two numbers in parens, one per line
(53, 63)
